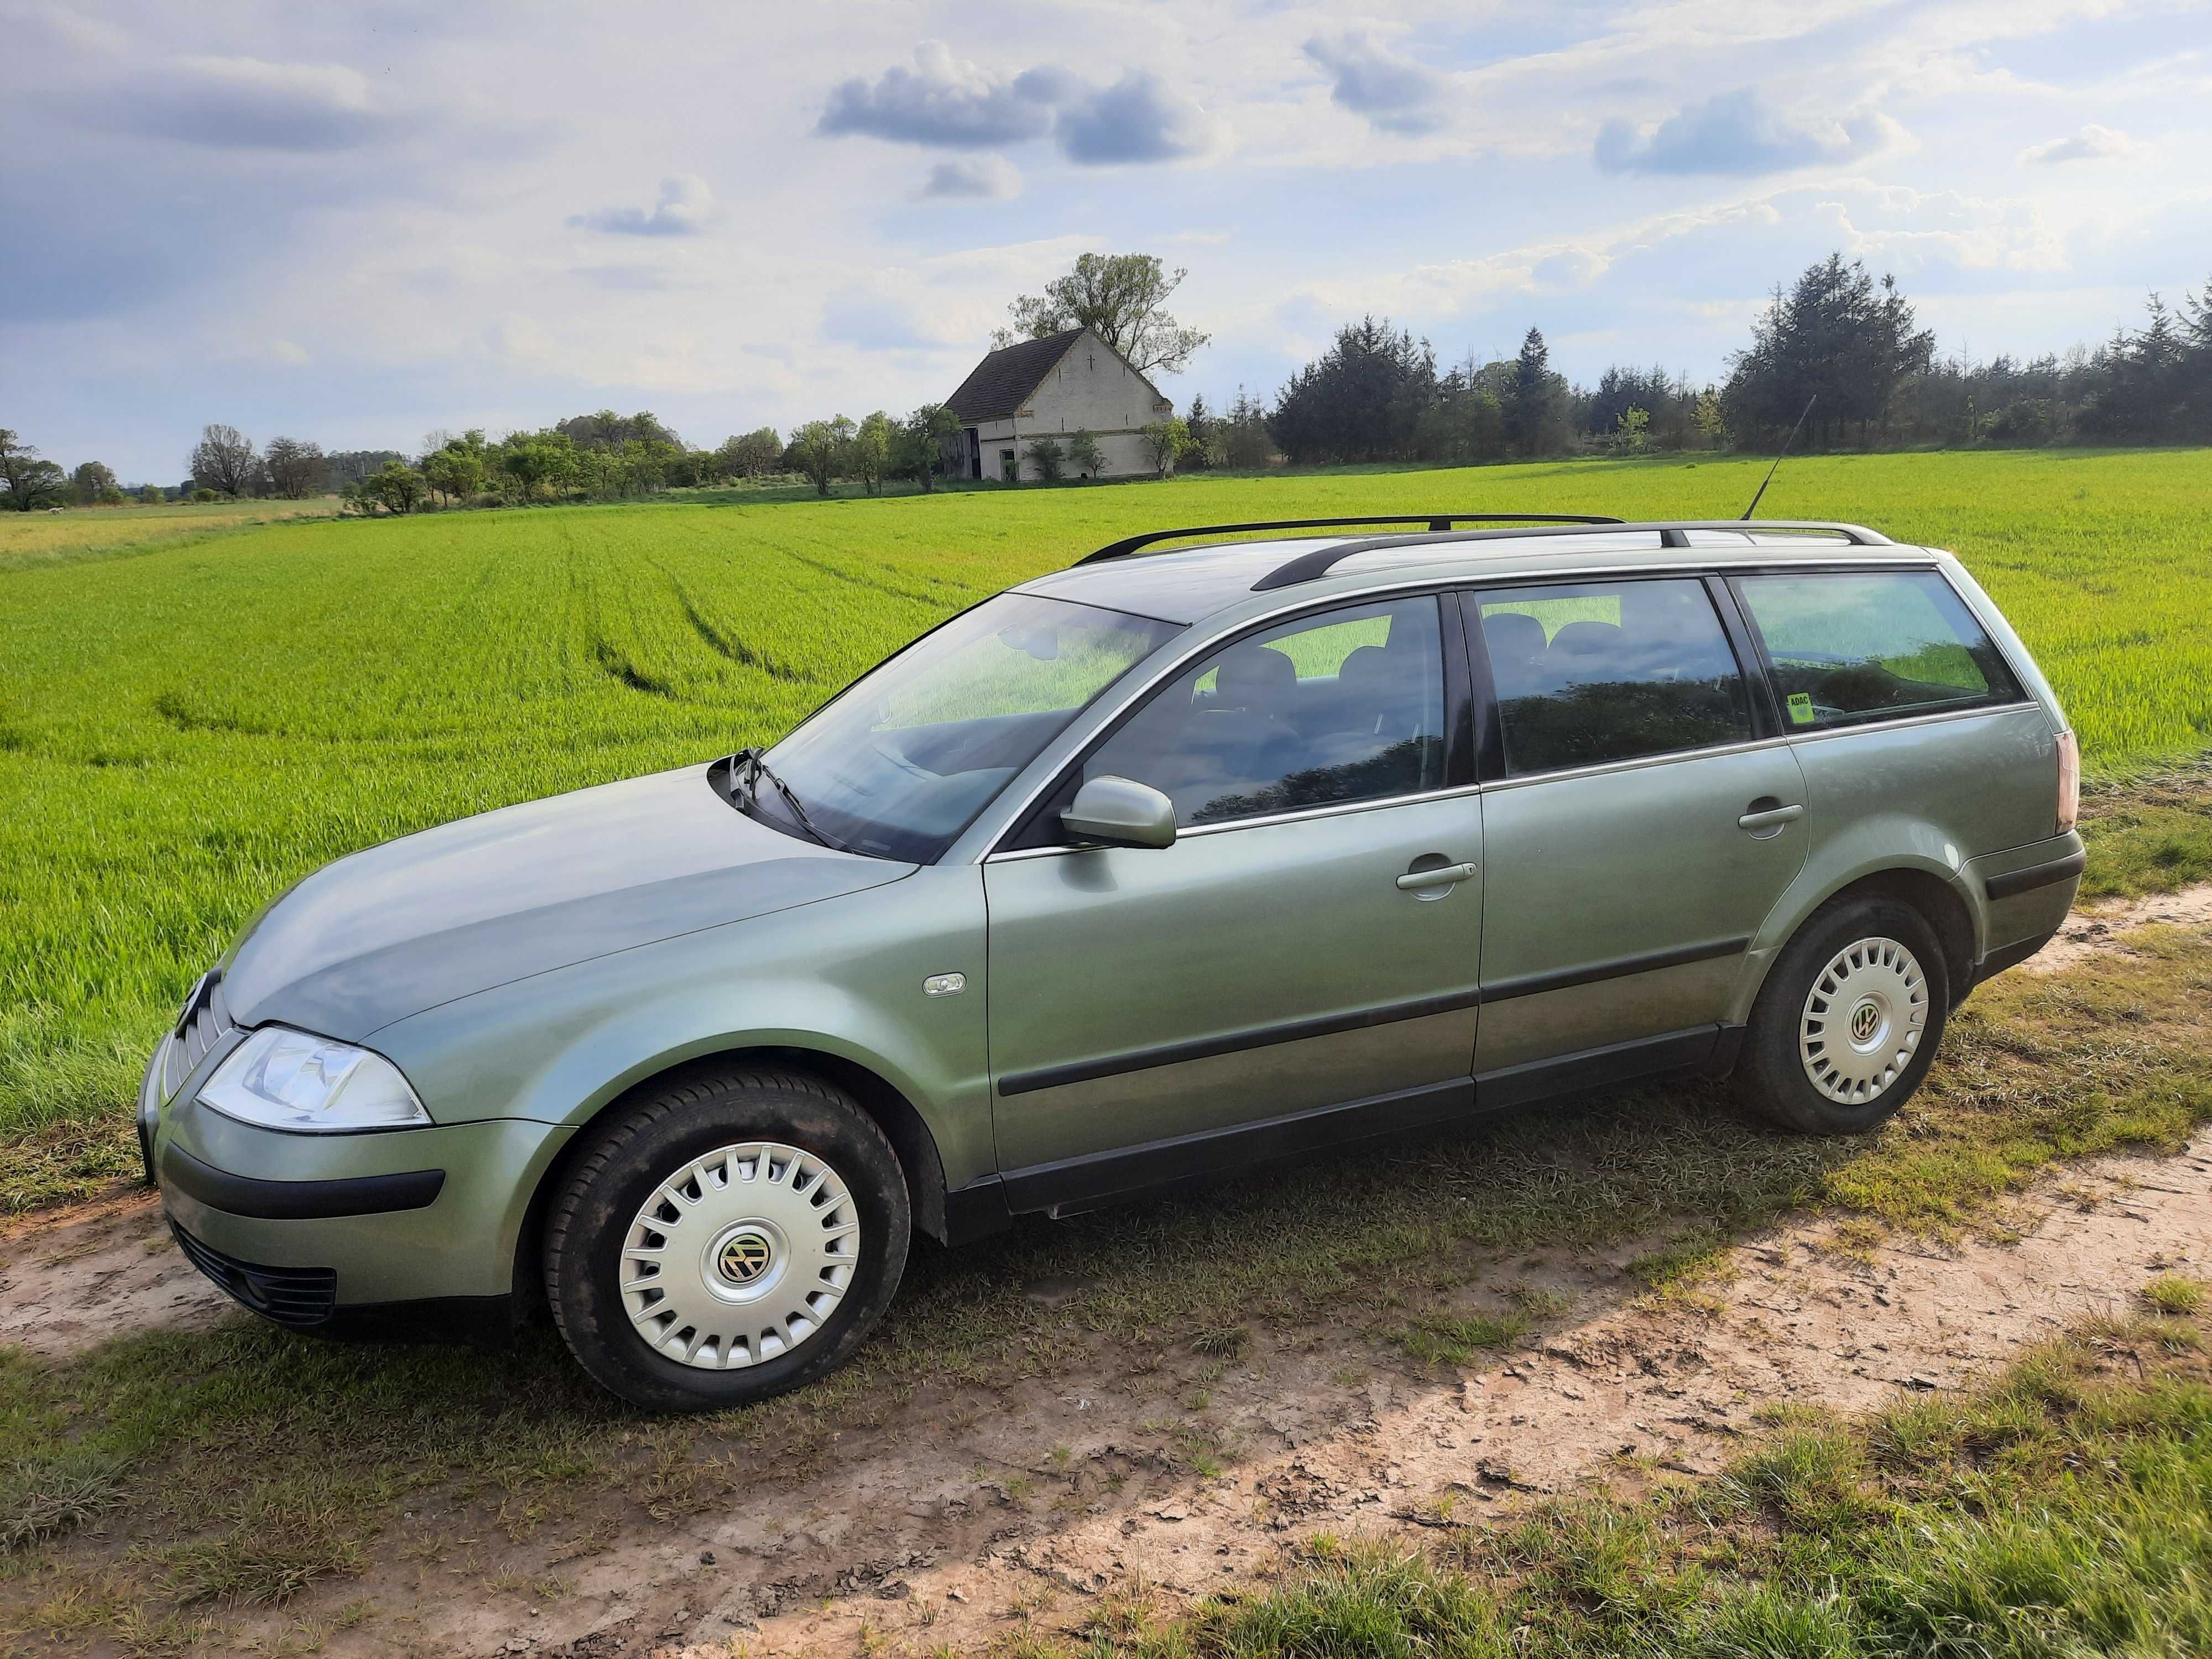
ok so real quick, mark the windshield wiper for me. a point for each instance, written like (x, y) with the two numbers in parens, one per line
(755, 767)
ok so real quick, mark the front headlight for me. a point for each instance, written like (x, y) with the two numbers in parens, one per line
(283, 1079)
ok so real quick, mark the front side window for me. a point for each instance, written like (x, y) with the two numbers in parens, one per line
(1850, 648)
(902, 760)
(1346, 706)
(1592, 672)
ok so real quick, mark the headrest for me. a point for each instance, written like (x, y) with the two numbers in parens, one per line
(1586, 638)
(1254, 677)
(1369, 665)
(1513, 633)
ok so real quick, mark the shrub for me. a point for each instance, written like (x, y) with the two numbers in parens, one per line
(1049, 458)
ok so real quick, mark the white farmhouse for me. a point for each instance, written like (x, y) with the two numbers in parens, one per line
(1053, 387)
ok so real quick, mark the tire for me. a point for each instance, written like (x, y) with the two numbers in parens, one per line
(752, 1183)
(1808, 1063)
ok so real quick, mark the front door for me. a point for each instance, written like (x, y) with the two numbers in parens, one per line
(1309, 944)
(1640, 836)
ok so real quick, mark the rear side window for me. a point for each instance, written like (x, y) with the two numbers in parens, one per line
(1591, 673)
(1851, 647)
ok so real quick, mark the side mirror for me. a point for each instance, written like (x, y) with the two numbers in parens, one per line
(1121, 813)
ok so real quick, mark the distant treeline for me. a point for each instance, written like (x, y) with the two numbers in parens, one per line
(1837, 349)
(1836, 342)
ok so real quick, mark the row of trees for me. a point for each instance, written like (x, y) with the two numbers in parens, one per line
(1838, 349)
(28, 480)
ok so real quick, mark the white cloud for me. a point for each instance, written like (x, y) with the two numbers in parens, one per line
(250, 103)
(2092, 143)
(986, 178)
(1569, 268)
(1139, 119)
(1733, 133)
(1394, 93)
(943, 101)
(1908, 230)
(948, 102)
(684, 208)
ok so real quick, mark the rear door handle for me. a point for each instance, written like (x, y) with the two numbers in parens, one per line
(1442, 875)
(1773, 817)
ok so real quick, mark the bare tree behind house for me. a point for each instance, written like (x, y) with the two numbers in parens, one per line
(225, 460)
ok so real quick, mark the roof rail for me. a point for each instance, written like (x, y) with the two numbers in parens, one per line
(1441, 521)
(1307, 567)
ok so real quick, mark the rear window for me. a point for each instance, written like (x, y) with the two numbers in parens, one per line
(1850, 647)
(1592, 672)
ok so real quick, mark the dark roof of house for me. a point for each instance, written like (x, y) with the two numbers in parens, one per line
(1002, 382)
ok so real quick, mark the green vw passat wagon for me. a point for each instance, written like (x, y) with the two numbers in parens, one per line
(1148, 869)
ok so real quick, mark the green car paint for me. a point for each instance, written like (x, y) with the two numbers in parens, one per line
(1041, 1026)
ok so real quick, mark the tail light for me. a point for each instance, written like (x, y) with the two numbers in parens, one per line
(2069, 780)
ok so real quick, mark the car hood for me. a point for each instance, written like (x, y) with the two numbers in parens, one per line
(415, 922)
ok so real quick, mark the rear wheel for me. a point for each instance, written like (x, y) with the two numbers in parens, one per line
(1848, 1022)
(734, 1235)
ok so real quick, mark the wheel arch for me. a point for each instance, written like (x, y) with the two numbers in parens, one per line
(1931, 892)
(902, 1125)
(1936, 901)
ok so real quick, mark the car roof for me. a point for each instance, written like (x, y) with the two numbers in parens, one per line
(1189, 584)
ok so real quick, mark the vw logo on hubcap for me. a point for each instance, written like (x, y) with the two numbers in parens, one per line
(1866, 1018)
(743, 1259)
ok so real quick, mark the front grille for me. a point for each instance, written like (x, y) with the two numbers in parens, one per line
(298, 1296)
(205, 1022)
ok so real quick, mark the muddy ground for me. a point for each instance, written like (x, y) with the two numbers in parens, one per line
(969, 1515)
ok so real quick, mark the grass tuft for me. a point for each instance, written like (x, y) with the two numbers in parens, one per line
(2171, 1293)
(1453, 1340)
(43, 1498)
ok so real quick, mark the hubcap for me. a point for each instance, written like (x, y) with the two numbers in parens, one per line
(740, 1256)
(1864, 1020)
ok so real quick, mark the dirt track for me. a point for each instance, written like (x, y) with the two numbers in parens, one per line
(969, 1512)
(962, 1530)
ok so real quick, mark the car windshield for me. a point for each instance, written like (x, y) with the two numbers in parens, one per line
(902, 760)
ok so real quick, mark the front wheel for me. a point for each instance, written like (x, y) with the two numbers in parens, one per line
(1848, 1022)
(735, 1235)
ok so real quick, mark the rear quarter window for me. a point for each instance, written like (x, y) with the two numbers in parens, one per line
(1851, 647)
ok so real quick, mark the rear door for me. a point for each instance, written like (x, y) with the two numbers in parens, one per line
(1902, 711)
(1644, 820)
(1310, 939)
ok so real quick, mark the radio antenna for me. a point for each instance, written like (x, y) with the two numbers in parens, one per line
(1780, 452)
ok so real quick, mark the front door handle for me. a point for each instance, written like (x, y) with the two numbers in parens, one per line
(1444, 876)
(1770, 817)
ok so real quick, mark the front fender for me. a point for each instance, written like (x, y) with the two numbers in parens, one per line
(841, 977)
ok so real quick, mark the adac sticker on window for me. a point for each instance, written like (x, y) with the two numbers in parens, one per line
(1800, 708)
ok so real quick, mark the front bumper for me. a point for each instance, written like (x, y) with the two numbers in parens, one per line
(399, 1216)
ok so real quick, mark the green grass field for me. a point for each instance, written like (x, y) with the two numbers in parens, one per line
(187, 727)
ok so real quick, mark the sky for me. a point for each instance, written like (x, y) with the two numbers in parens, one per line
(360, 224)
